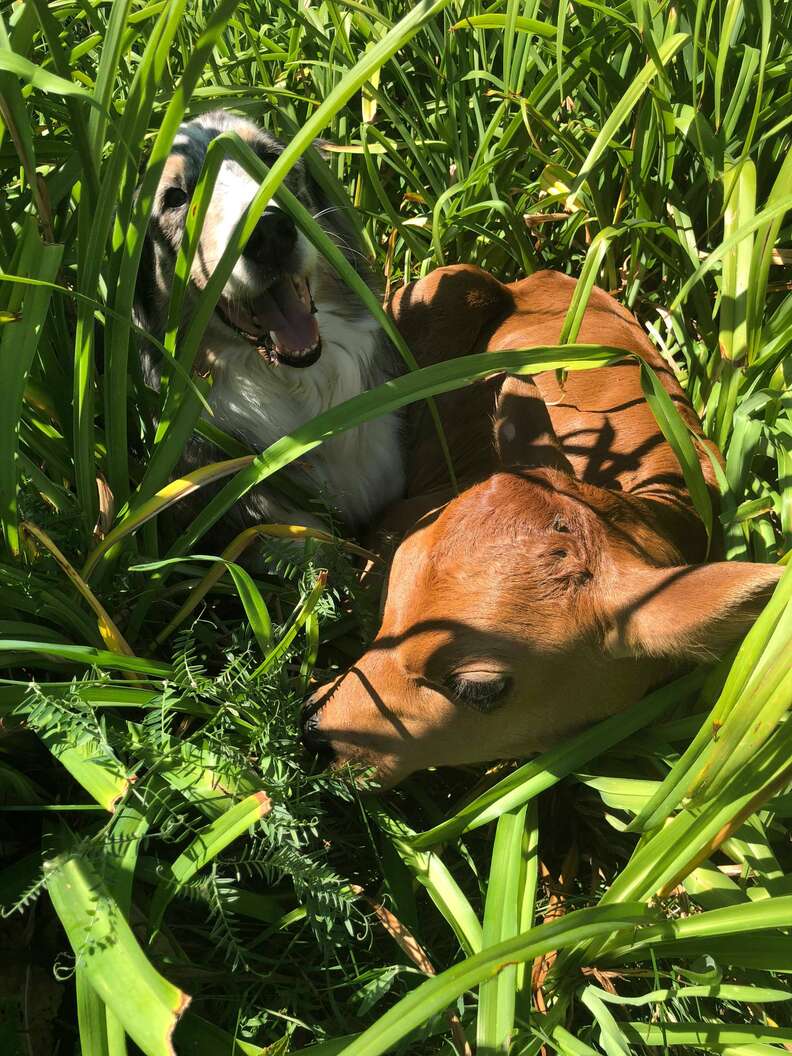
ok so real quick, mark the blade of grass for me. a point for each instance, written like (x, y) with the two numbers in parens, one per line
(145, 1003)
(435, 994)
(84, 654)
(18, 345)
(302, 613)
(678, 436)
(495, 1020)
(621, 110)
(430, 871)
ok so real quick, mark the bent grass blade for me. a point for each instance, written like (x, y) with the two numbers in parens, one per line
(299, 618)
(146, 1004)
(253, 603)
(431, 872)
(242, 542)
(167, 496)
(110, 633)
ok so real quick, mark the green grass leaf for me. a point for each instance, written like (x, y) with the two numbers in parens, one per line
(435, 994)
(112, 962)
(495, 1021)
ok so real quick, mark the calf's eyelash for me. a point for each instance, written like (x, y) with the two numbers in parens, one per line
(481, 694)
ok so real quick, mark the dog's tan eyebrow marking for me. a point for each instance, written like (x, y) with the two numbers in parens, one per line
(173, 172)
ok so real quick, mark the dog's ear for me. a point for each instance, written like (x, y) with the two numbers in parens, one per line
(146, 299)
(692, 612)
(450, 312)
(524, 434)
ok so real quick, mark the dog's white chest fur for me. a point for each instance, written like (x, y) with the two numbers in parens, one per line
(359, 471)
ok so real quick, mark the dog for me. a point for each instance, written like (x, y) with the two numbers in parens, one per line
(287, 339)
(566, 579)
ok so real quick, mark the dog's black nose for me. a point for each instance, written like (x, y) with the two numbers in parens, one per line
(274, 238)
(313, 739)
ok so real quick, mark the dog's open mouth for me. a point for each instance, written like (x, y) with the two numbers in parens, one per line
(280, 323)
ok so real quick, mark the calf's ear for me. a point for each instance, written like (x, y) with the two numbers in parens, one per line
(523, 432)
(448, 313)
(692, 612)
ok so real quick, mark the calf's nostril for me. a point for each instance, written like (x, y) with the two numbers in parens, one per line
(313, 739)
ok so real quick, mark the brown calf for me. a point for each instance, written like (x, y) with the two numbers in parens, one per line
(561, 584)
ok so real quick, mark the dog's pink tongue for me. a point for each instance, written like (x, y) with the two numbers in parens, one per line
(288, 318)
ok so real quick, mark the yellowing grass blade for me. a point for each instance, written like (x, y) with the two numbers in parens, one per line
(368, 101)
(239, 545)
(165, 497)
(111, 635)
(521, 24)
(145, 1003)
(739, 188)
(103, 777)
(763, 256)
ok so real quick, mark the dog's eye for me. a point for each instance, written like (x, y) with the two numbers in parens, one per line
(174, 198)
(483, 693)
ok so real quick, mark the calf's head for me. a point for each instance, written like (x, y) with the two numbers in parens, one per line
(528, 607)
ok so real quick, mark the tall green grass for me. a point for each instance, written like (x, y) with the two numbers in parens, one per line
(152, 790)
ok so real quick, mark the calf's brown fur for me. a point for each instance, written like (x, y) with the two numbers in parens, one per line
(564, 580)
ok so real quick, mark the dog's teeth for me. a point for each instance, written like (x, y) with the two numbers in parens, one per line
(303, 291)
(311, 302)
